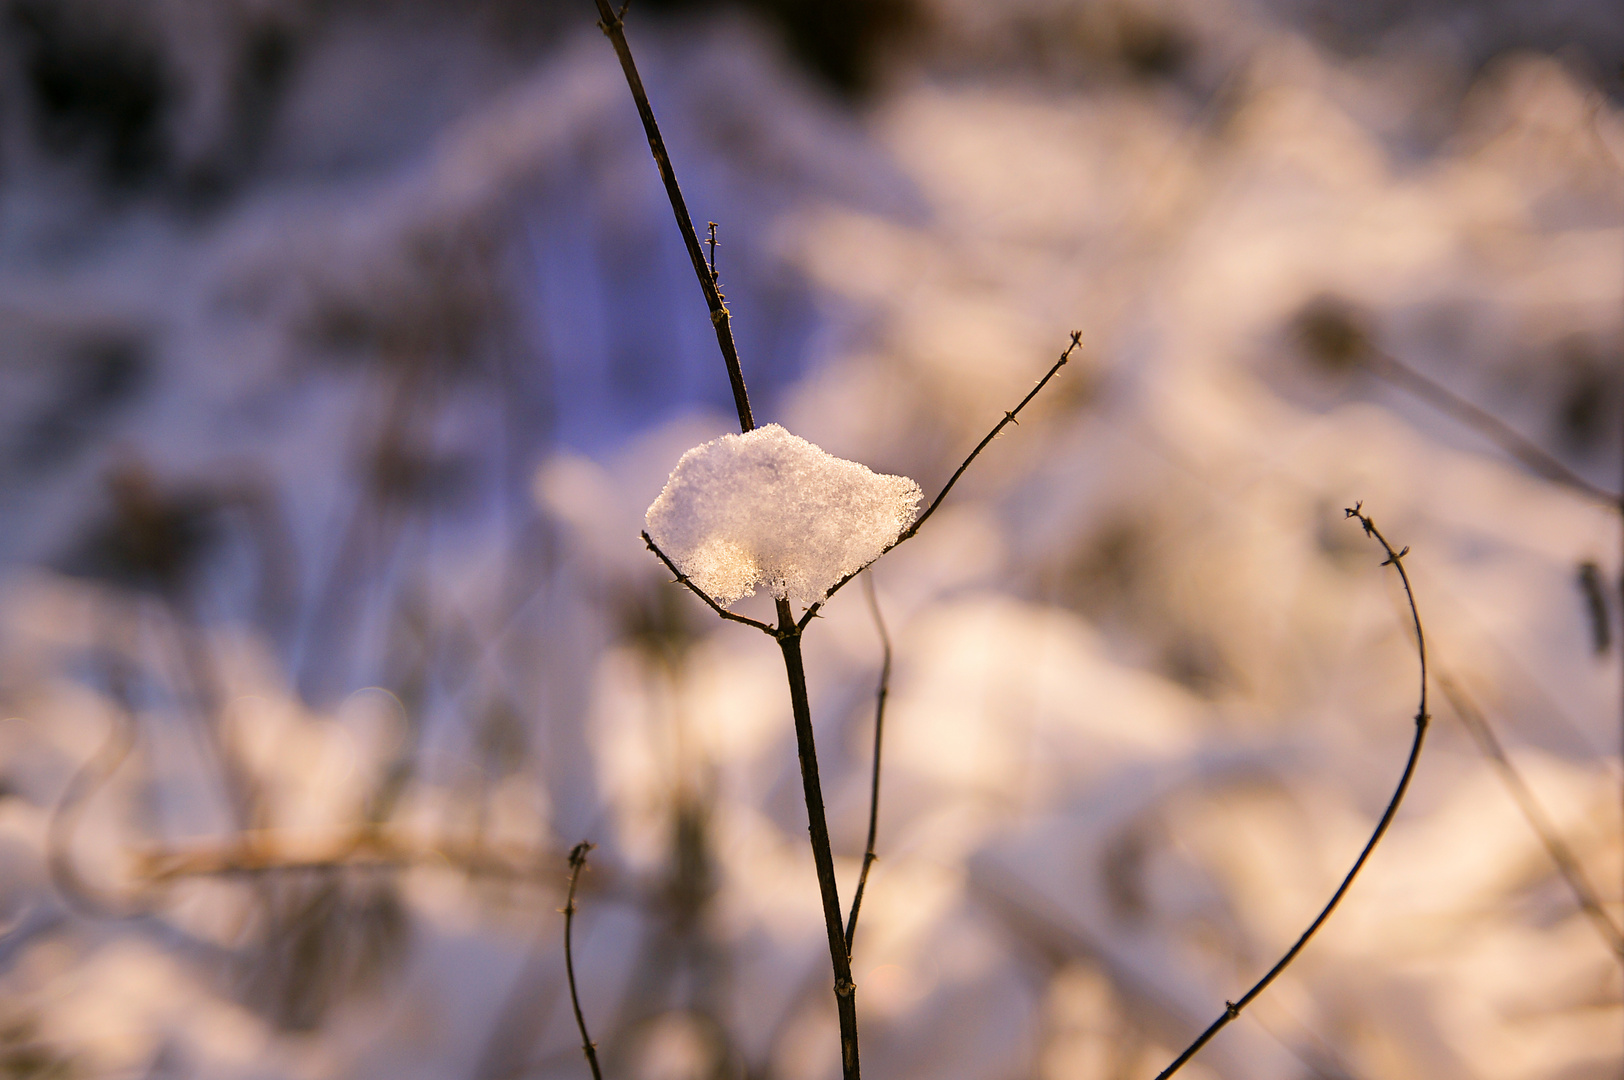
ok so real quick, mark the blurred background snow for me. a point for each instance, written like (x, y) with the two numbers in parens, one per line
(343, 345)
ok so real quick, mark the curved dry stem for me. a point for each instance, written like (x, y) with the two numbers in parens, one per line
(588, 1047)
(705, 596)
(1232, 1009)
(908, 533)
(609, 22)
(880, 694)
(1567, 863)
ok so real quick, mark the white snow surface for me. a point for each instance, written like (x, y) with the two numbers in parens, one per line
(768, 508)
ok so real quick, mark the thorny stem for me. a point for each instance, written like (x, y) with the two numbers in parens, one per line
(1562, 855)
(908, 533)
(789, 640)
(1232, 1009)
(880, 694)
(610, 23)
(588, 1047)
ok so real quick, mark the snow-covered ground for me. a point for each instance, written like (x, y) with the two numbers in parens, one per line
(343, 349)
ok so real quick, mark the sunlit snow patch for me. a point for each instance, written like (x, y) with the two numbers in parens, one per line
(767, 508)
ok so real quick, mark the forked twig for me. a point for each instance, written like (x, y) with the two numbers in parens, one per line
(609, 22)
(908, 533)
(1232, 1009)
(1567, 863)
(588, 1047)
(880, 694)
(705, 596)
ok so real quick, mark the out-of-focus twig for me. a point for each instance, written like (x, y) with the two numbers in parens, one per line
(609, 21)
(577, 864)
(92, 776)
(1567, 863)
(908, 533)
(262, 852)
(880, 694)
(1232, 1009)
(1531, 455)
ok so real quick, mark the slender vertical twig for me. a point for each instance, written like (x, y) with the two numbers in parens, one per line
(588, 1047)
(1567, 863)
(789, 640)
(1232, 1009)
(880, 694)
(610, 23)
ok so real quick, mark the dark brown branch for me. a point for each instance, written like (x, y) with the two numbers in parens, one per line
(880, 694)
(789, 640)
(609, 22)
(1232, 1009)
(908, 533)
(1567, 863)
(1534, 458)
(588, 1047)
(705, 596)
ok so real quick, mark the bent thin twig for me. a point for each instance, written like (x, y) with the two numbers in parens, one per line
(1232, 1009)
(588, 1047)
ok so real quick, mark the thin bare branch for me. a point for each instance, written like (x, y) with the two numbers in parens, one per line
(1232, 1009)
(880, 694)
(1567, 863)
(703, 595)
(609, 22)
(588, 1047)
(908, 533)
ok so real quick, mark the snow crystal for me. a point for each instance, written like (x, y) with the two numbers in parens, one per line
(768, 508)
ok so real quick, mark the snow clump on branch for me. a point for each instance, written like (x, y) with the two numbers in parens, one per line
(768, 508)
